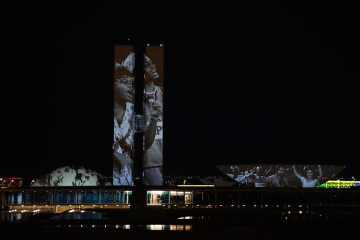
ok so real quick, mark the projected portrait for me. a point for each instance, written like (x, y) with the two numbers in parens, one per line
(124, 127)
(153, 101)
(311, 179)
(123, 111)
(302, 176)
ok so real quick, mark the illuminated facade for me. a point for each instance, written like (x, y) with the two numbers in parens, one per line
(10, 182)
(61, 199)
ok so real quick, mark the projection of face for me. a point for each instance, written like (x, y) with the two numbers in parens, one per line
(123, 89)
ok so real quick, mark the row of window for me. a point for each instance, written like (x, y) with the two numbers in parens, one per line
(183, 197)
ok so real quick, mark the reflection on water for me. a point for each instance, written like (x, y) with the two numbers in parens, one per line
(228, 218)
(156, 227)
(186, 217)
(169, 227)
(80, 215)
(13, 216)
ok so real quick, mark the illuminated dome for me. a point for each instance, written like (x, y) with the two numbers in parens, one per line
(71, 176)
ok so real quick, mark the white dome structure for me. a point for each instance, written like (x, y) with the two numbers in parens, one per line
(71, 176)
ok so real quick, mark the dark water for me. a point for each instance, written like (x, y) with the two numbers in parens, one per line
(222, 222)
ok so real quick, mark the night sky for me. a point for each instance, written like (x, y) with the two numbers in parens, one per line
(259, 82)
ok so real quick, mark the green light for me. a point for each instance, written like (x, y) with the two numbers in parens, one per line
(339, 184)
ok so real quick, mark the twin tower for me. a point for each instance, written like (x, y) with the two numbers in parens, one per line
(138, 115)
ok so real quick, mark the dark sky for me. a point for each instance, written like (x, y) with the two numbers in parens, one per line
(251, 83)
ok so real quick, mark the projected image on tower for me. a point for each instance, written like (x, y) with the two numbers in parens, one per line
(123, 111)
(153, 99)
